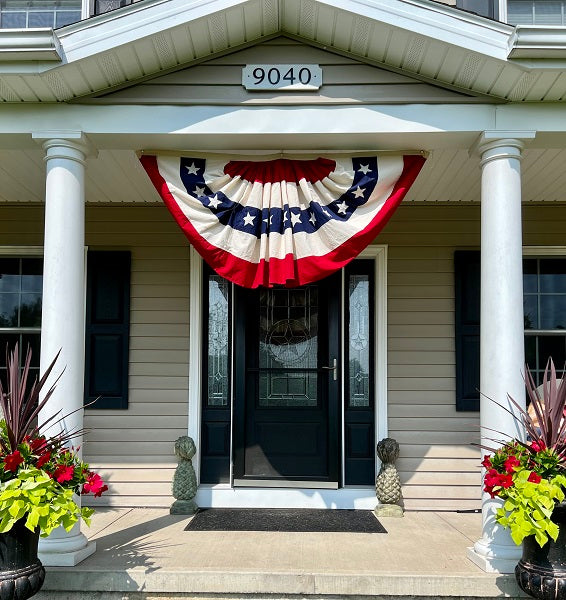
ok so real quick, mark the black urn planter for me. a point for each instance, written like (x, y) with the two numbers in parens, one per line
(541, 572)
(21, 572)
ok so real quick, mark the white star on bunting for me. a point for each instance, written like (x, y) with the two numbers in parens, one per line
(249, 219)
(342, 207)
(364, 169)
(214, 202)
(359, 193)
(193, 169)
(199, 191)
(313, 218)
(295, 219)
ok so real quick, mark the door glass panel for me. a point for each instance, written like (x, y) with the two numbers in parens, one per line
(218, 291)
(359, 341)
(288, 347)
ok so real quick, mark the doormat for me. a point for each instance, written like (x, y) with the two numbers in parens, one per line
(285, 519)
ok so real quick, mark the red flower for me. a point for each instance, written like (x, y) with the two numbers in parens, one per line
(538, 446)
(489, 490)
(492, 477)
(486, 462)
(95, 485)
(534, 477)
(45, 457)
(506, 481)
(63, 473)
(495, 479)
(13, 461)
(37, 444)
(510, 463)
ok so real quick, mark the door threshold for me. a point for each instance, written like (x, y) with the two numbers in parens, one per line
(276, 483)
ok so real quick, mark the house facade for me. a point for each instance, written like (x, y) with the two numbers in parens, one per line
(286, 390)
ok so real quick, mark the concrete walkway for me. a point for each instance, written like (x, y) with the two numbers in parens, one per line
(145, 553)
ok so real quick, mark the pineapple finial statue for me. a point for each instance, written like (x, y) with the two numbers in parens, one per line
(387, 482)
(184, 480)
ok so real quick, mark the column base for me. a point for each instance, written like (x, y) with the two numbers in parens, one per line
(60, 550)
(499, 559)
(67, 559)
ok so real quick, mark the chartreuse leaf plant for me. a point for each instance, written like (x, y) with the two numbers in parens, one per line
(530, 476)
(39, 475)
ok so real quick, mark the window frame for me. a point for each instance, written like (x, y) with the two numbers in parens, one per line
(20, 252)
(84, 13)
(542, 253)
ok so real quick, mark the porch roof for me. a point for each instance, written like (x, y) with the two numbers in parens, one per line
(421, 38)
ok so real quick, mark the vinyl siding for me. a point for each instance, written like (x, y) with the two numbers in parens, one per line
(438, 465)
(133, 448)
(344, 81)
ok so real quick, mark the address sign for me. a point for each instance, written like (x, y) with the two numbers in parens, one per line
(282, 77)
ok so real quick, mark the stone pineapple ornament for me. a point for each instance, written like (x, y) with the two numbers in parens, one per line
(387, 482)
(184, 480)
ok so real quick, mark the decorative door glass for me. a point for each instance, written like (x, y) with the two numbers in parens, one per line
(288, 347)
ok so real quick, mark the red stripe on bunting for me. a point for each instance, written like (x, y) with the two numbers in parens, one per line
(287, 271)
(281, 169)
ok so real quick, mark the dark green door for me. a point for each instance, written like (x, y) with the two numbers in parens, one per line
(286, 418)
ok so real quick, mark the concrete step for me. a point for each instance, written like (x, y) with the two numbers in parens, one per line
(148, 584)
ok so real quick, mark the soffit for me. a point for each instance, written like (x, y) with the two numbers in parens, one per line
(421, 38)
(117, 177)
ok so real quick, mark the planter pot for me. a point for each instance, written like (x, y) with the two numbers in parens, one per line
(21, 572)
(541, 572)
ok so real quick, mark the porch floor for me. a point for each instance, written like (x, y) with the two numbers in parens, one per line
(145, 553)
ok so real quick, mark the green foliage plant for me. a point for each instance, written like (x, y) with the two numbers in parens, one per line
(530, 476)
(40, 476)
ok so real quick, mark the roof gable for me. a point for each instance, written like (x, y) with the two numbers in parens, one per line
(344, 81)
(430, 41)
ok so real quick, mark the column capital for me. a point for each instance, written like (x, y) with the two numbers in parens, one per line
(492, 145)
(73, 145)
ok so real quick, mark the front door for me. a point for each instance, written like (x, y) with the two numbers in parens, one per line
(286, 417)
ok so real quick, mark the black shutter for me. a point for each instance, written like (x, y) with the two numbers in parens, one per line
(485, 8)
(467, 292)
(107, 329)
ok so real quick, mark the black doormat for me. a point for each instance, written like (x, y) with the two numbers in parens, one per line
(285, 519)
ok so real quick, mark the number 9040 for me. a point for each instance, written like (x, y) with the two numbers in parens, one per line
(282, 77)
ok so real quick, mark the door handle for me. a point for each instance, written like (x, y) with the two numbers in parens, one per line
(333, 368)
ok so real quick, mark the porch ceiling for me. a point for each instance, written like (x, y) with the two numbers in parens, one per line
(425, 39)
(116, 177)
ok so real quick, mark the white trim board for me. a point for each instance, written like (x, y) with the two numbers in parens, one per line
(362, 498)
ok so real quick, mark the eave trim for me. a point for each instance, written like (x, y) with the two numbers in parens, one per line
(538, 42)
(29, 45)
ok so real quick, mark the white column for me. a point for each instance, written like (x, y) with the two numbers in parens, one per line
(502, 356)
(63, 312)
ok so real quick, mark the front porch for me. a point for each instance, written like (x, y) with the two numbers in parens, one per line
(145, 553)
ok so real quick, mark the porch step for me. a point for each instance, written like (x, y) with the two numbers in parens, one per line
(191, 596)
(148, 584)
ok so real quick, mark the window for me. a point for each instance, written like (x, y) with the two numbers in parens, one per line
(486, 8)
(23, 14)
(103, 6)
(21, 281)
(536, 12)
(544, 301)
